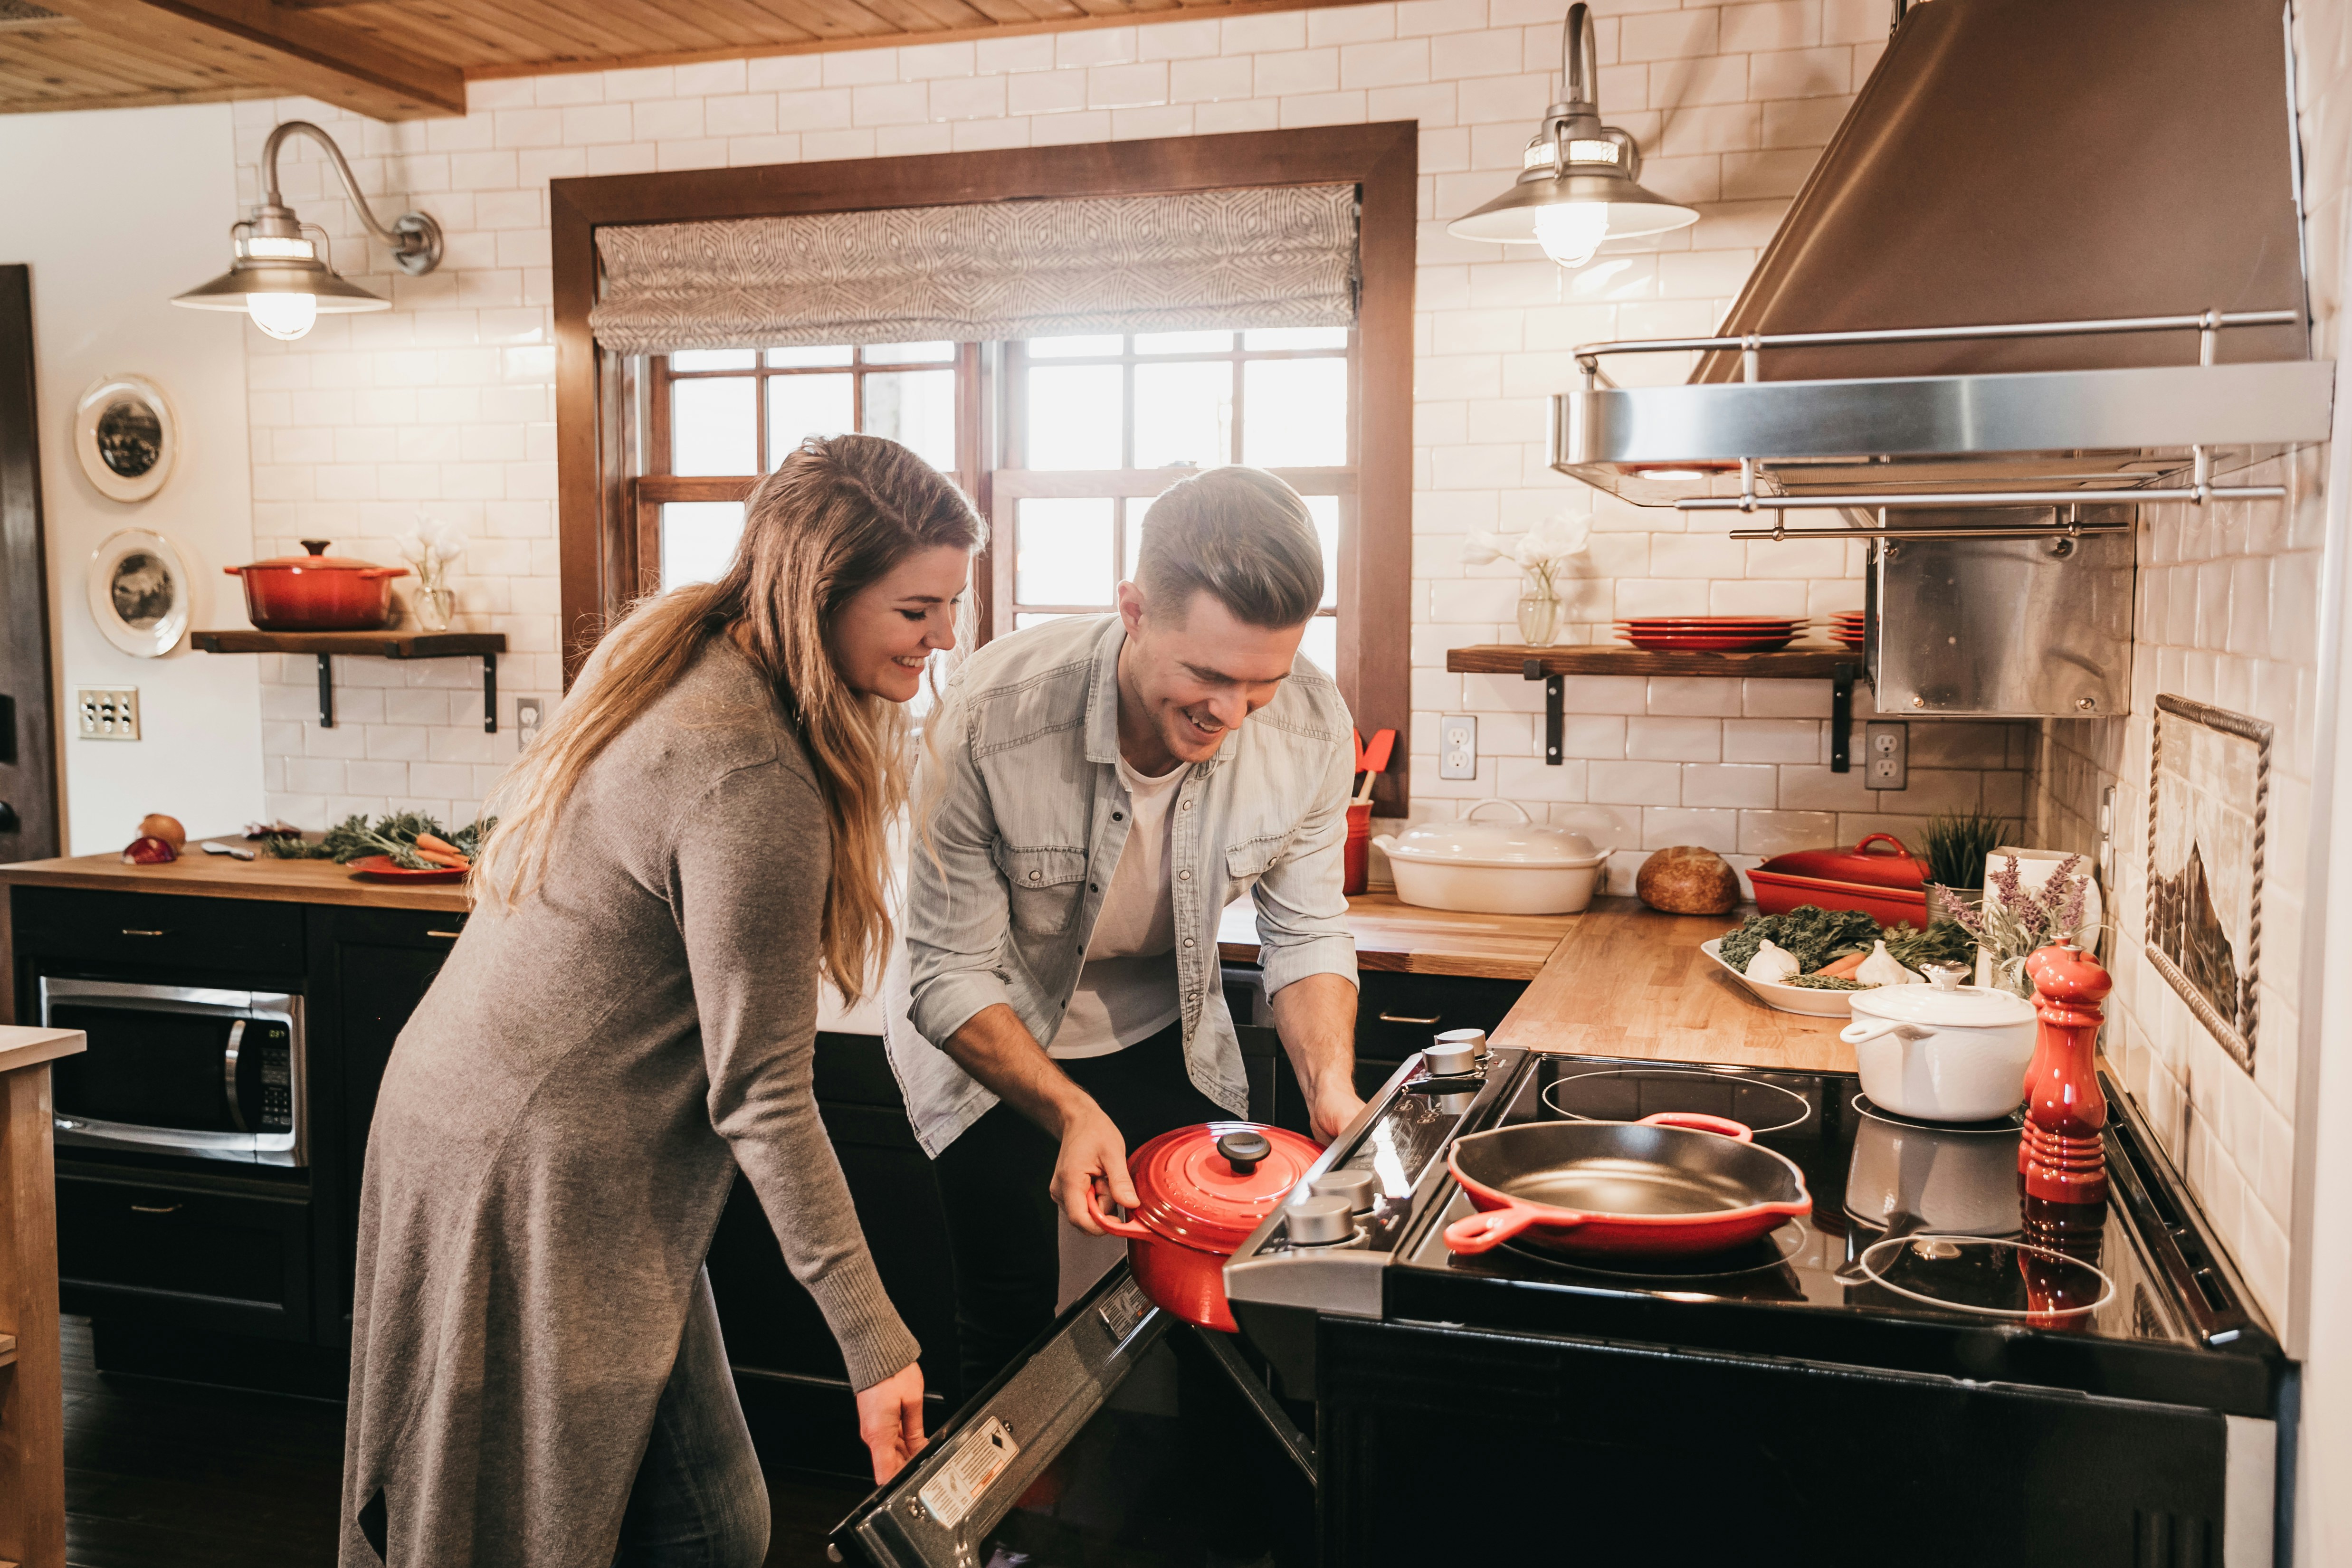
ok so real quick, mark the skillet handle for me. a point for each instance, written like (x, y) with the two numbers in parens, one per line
(1482, 1232)
(1738, 1132)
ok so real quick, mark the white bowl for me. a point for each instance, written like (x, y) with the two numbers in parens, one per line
(1788, 998)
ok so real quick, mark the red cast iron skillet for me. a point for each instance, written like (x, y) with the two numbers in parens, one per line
(1674, 1183)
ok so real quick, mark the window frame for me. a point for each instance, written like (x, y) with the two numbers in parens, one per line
(600, 428)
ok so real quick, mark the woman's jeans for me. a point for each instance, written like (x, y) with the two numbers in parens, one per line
(699, 1501)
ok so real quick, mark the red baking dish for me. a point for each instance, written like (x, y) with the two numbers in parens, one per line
(1892, 889)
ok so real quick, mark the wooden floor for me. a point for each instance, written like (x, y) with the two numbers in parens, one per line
(179, 1475)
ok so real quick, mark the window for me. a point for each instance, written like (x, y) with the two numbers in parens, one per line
(718, 419)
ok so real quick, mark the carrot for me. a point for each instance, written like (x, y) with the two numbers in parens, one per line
(439, 846)
(1843, 968)
(434, 857)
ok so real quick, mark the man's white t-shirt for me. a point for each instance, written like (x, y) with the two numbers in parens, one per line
(1127, 990)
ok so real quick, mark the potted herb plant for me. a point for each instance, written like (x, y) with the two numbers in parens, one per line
(1958, 846)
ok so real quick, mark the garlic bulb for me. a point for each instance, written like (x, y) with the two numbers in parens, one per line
(1882, 968)
(1776, 964)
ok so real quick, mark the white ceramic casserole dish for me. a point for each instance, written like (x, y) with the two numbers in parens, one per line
(1939, 1052)
(1492, 868)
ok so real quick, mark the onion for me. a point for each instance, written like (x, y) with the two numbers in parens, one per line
(150, 850)
(155, 825)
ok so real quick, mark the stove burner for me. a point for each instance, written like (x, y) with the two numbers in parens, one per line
(1768, 1251)
(2012, 1123)
(1987, 1275)
(1630, 1093)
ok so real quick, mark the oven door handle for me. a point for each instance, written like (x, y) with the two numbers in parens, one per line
(229, 1072)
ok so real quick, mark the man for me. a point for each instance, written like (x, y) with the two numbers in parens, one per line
(1090, 799)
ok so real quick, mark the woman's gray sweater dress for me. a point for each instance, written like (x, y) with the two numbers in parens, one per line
(558, 1130)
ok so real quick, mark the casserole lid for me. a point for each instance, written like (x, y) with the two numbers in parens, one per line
(1862, 865)
(1209, 1185)
(1475, 844)
(1944, 1003)
(318, 559)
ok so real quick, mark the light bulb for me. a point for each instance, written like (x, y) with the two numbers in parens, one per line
(286, 315)
(1571, 231)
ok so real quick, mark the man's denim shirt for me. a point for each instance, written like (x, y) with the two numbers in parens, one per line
(1018, 826)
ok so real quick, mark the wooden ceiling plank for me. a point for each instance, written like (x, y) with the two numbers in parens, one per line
(833, 25)
(501, 34)
(294, 52)
(945, 15)
(59, 77)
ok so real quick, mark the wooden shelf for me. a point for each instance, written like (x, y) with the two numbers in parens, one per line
(484, 645)
(1839, 667)
(365, 645)
(1599, 659)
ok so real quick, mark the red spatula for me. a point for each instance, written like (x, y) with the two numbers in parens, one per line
(1372, 760)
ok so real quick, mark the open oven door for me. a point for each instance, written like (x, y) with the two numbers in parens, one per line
(1121, 1436)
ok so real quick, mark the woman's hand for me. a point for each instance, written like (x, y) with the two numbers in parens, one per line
(890, 1420)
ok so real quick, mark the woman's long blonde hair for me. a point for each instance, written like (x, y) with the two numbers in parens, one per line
(838, 514)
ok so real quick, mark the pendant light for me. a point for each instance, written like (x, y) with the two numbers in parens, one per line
(1576, 185)
(279, 277)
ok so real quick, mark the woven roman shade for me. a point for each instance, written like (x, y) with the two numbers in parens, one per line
(1281, 256)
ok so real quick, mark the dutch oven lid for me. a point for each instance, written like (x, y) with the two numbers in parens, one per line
(1209, 1186)
(1861, 864)
(1943, 1004)
(1470, 844)
(318, 559)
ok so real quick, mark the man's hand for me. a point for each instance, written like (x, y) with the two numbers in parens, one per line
(1317, 1018)
(1093, 1158)
(1330, 1107)
(890, 1420)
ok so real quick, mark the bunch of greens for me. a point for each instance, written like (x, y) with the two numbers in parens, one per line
(1958, 846)
(394, 836)
(1943, 942)
(1811, 937)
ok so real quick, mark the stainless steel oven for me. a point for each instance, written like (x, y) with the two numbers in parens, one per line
(180, 1070)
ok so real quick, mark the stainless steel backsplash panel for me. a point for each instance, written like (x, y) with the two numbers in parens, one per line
(2004, 628)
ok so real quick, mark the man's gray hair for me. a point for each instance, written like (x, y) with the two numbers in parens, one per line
(1242, 535)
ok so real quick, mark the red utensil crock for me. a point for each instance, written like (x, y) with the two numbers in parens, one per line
(1356, 853)
(1203, 1189)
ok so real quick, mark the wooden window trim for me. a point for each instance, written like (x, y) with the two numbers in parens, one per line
(599, 526)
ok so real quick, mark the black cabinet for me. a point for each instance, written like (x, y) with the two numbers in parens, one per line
(158, 932)
(210, 1254)
(1396, 1014)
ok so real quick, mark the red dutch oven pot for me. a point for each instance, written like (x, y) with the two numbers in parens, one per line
(1676, 1184)
(1202, 1190)
(318, 591)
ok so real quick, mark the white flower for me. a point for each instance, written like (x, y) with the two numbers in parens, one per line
(1482, 547)
(1540, 550)
(411, 548)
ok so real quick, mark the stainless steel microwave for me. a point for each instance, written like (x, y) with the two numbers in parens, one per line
(179, 1070)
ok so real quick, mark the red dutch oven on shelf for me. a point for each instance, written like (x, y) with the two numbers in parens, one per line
(1203, 1189)
(1892, 889)
(317, 591)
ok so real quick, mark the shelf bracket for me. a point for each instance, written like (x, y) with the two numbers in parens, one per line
(1842, 720)
(326, 691)
(1533, 669)
(489, 694)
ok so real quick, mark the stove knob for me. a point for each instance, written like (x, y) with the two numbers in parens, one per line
(1242, 1151)
(1358, 1187)
(1318, 1221)
(1474, 1038)
(1450, 1058)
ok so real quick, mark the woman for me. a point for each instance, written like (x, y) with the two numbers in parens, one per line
(537, 1375)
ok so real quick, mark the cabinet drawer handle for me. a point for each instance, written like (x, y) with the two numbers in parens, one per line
(452, 935)
(1393, 1017)
(156, 1207)
(128, 931)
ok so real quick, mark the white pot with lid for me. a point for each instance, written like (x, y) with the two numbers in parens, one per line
(1942, 1052)
(1494, 868)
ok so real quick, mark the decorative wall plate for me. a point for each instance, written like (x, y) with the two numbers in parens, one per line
(126, 437)
(138, 593)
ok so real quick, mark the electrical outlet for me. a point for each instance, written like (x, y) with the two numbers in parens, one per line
(107, 713)
(1886, 753)
(529, 711)
(1457, 747)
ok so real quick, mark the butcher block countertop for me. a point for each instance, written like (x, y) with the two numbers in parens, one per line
(1620, 979)
(217, 876)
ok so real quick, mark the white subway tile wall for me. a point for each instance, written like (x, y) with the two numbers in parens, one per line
(443, 406)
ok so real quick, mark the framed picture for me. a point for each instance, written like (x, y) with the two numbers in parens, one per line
(138, 590)
(126, 437)
(2207, 803)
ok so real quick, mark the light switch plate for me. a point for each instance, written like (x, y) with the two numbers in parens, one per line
(1886, 755)
(107, 713)
(1457, 747)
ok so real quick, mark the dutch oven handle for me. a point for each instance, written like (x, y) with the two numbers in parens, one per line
(1132, 1230)
(1700, 1121)
(1890, 838)
(1484, 1231)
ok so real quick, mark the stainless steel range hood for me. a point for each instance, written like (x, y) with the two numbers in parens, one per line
(2051, 256)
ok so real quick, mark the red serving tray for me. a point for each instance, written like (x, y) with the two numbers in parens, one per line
(381, 868)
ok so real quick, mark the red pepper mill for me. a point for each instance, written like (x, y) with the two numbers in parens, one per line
(2060, 1156)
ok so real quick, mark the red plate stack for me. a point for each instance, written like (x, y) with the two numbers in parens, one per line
(1710, 634)
(1847, 627)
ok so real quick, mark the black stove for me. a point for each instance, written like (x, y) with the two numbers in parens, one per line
(1932, 1337)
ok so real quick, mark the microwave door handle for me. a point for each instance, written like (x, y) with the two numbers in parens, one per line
(229, 1072)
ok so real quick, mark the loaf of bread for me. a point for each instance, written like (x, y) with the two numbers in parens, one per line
(1687, 880)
